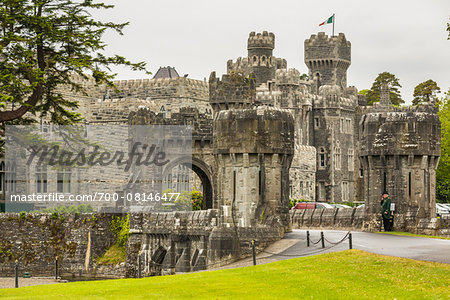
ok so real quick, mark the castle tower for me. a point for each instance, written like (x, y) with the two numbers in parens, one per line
(260, 54)
(399, 152)
(232, 92)
(328, 59)
(253, 150)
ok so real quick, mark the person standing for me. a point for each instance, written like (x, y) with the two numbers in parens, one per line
(386, 211)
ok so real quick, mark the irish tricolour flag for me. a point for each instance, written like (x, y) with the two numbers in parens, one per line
(328, 21)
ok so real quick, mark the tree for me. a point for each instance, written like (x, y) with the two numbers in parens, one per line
(43, 45)
(448, 29)
(373, 95)
(443, 170)
(424, 91)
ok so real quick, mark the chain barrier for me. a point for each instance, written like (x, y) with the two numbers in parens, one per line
(343, 239)
(315, 243)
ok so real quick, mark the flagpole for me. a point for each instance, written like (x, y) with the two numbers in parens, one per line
(334, 20)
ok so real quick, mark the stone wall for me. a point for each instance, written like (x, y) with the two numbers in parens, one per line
(35, 240)
(178, 242)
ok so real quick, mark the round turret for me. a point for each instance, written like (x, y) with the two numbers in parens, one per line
(261, 130)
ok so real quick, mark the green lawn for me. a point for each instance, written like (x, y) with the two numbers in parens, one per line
(413, 234)
(351, 274)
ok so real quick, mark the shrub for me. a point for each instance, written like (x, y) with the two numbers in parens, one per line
(120, 227)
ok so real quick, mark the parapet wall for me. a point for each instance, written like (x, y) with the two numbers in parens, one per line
(358, 219)
(35, 240)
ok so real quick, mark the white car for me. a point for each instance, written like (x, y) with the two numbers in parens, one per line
(441, 209)
(340, 205)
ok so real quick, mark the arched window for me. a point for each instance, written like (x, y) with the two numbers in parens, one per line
(255, 60)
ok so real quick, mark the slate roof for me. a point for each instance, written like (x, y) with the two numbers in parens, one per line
(166, 72)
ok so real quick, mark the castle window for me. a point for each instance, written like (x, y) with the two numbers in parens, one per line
(263, 60)
(41, 179)
(322, 192)
(63, 180)
(301, 188)
(345, 191)
(10, 177)
(351, 166)
(322, 158)
(341, 125)
(337, 158)
(409, 184)
(2, 175)
(316, 122)
(255, 60)
(348, 125)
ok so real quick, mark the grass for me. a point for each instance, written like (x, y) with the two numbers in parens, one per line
(113, 256)
(351, 274)
(412, 234)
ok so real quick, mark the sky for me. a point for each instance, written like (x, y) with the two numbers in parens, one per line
(405, 38)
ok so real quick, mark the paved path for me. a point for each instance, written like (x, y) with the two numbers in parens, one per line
(9, 282)
(419, 248)
(294, 245)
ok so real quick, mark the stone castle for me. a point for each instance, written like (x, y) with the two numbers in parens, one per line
(262, 134)
(334, 129)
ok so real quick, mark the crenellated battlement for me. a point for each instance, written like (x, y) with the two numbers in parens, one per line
(321, 46)
(287, 76)
(328, 59)
(232, 91)
(258, 40)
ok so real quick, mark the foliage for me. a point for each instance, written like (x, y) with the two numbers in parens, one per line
(304, 77)
(356, 275)
(425, 91)
(113, 256)
(443, 170)
(448, 29)
(46, 44)
(373, 95)
(186, 201)
(197, 199)
(120, 227)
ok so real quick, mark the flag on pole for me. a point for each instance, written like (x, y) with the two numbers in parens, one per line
(328, 21)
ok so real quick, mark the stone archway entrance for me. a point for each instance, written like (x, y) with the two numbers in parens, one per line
(203, 171)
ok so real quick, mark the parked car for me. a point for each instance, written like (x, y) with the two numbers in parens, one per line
(361, 206)
(336, 205)
(311, 205)
(441, 210)
(447, 205)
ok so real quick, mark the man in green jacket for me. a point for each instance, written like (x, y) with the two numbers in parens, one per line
(386, 211)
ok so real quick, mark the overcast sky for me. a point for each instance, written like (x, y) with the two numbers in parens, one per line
(406, 38)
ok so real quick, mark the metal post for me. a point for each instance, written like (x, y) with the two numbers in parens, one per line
(17, 273)
(56, 268)
(140, 266)
(307, 238)
(323, 240)
(350, 242)
(79, 274)
(253, 252)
